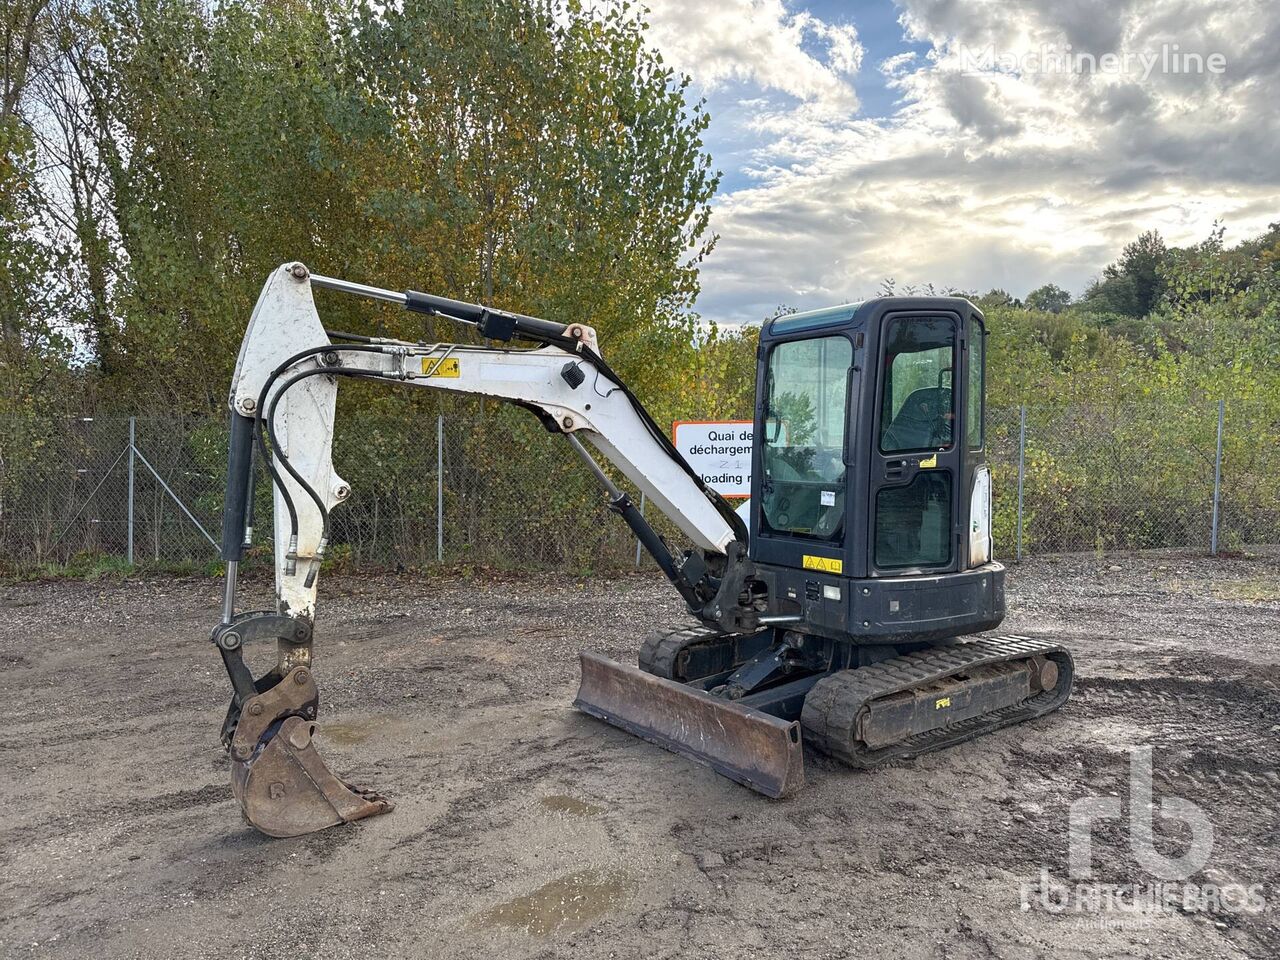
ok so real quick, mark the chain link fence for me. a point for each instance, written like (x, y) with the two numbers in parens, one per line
(489, 487)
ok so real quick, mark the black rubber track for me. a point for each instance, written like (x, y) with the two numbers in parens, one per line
(831, 710)
(660, 652)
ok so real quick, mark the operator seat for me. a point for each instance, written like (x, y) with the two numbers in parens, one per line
(923, 421)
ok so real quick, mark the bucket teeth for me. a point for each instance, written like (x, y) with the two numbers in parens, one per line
(754, 748)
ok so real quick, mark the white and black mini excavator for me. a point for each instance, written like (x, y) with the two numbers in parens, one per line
(837, 622)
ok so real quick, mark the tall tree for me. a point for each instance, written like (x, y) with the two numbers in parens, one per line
(1133, 285)
(534, 154)
(1050, 298)
(22, 25)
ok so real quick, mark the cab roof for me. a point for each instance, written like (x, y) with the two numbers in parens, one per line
(863, 309)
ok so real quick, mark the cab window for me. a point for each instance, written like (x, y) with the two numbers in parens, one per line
(977, 392)
(917, 411)
(806, 398)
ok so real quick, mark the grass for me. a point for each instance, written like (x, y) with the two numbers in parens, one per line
(1250, 589)
(1263, 588)
(91, 567)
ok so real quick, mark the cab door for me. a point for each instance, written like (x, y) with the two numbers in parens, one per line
(799, 483)
(916, 447)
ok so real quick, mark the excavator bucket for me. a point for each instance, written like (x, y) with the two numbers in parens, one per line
(754, 748)
(286, 790)
(284, 787)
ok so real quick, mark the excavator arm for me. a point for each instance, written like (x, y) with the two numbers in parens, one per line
(282, 403)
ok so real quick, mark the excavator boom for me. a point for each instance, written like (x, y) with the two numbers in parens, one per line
(282, 403)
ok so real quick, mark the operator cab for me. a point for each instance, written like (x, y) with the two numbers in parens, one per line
(870, 509)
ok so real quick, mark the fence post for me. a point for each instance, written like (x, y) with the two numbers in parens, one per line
(1217, 482)
(1022, 470)
(637, 538)
(133, 427)
(439, 488)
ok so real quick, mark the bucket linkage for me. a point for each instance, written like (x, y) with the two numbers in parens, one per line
(284, 787)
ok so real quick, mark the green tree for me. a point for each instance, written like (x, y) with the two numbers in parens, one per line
(35, 350)
(1133, 285)
(533, 154)
(1050, 298)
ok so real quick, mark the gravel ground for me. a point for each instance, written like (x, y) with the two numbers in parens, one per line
(523, 828)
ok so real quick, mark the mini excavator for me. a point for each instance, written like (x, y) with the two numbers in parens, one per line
(836, 610)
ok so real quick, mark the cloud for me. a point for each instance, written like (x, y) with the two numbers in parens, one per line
(1094, 25)
(1123, 100)
(760, 42)
(995, 175)
(971, 101)
(891, 66)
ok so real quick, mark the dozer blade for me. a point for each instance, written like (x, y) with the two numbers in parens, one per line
(756, 749)
(284, 787)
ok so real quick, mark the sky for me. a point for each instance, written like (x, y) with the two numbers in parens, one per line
(970, 144)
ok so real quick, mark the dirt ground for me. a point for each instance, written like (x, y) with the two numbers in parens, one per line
(523, 828)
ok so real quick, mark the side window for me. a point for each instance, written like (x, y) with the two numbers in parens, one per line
(976, 406)
(913, 523)
(916, 408)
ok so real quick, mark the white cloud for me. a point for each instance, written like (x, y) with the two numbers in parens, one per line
(994, 177)
(899, 61)
(759, 42)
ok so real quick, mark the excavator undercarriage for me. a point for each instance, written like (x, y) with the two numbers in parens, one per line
(747, 711)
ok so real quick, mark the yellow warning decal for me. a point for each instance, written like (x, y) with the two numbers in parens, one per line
(941, 702)
(435, 367)
(825, 564)
(928, 463)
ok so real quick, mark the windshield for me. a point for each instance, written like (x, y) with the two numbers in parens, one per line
(805, 412)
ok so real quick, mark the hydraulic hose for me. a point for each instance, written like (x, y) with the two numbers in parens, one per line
(262, 400)
(284, 459)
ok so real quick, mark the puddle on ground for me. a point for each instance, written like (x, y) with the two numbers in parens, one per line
(563, 903)
(350, 732)
(559, 803)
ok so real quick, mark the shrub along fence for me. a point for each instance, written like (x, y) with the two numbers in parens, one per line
(488, 486)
